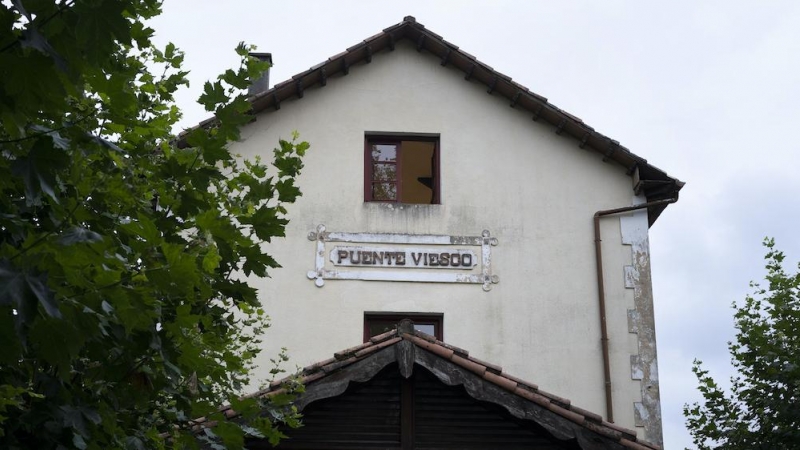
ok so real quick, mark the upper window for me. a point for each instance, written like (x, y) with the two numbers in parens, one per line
(401, 169)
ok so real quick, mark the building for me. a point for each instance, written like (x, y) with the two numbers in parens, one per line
(438, 189)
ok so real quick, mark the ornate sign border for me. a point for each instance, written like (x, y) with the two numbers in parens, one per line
(484, 241)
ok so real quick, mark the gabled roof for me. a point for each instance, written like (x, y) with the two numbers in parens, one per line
(453, 366)
(647, 179)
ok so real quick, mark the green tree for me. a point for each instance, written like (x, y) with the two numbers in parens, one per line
(762, 409)
(124, 310)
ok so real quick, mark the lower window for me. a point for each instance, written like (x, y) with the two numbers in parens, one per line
(380, 322)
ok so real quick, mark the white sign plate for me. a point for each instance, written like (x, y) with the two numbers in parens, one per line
(406, 257)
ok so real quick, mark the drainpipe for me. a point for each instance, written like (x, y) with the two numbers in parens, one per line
(602, 293)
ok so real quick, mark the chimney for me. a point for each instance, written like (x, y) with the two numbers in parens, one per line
(262, 84)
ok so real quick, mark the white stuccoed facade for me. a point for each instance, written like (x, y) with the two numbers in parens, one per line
(533, 190)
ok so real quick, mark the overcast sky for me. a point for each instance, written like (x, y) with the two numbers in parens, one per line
(707, 91)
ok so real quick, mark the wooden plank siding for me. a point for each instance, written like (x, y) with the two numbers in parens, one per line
(374, 414)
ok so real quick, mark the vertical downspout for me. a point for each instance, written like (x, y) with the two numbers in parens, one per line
(602, 293)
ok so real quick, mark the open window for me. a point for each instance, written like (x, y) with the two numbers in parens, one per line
(401, 169)
(376, 323)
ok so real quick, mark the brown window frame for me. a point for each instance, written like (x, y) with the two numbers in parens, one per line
(435, 319)
(397, 139)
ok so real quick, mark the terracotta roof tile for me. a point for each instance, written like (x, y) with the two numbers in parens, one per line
(307, 379)
(503, 76)
(375, 347)
(443, 352)
(431, 33)
(630, 434)
(529, 385)
(388, 30)
(318, 366)
(334, 366)
(383, 336)
(450, 44)
(338, 55)
(358, 46)
(485, 66)
(302, 74)
(597, 418)
(532, 396)
(469, 56)
(374, 36)
(503, 382)
(274, 393)
(477, 369)
(555, 398)
(347, 353)
(575, 118)
(457, 350)
(282, 84)
(604, 430)
(520, 87)
(425, 336)
(566, 413)
(490, 367)
(318, 66)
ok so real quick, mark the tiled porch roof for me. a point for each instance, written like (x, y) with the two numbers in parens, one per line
(360, 363)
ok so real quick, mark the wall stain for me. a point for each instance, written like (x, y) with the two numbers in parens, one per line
(641, 321)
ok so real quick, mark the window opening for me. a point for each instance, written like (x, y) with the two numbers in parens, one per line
(402, 169)
(378, 323)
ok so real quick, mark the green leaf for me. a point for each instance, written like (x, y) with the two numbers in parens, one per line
(58, 141)
(266, 223)
(58, 343)
(105, 143)
(32, 38)
(236, 80)
(100, 24)
(256, 262)
(211, 259)
(181, 267)
(79, 235)
(135, 443)
(38, 287)
(38, 170)
(287, 191)
(232, 435)
(12, 285)
(71, 417)
(213, 95)
(23, 290)
(145, 228)
(78, 441)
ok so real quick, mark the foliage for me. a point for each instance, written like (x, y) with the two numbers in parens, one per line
(762, 410)
(123, 313)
